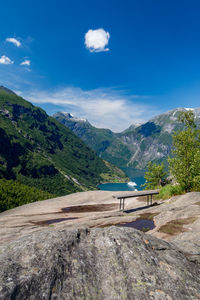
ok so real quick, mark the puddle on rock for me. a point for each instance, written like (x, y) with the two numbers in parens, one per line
(144, 222)
(140, 224)
(90, 208)
(52, 221)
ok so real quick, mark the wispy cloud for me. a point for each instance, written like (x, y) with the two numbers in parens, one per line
(104, 108)
(97, 40)
(26, 62)
(14, 41)
(4, 60)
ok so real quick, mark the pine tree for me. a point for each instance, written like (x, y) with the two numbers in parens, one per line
(155, 176)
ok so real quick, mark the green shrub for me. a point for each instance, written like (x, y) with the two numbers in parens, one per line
(196, 184)
(155, 176)
(170, 190)
(13, 193)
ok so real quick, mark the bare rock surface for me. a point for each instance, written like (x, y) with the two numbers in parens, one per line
(44, 253)
(29, 218)
(176, 208)
(98, 209)
(109, 263)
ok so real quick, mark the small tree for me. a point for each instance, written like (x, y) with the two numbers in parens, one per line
(184, 165)
(154, 176)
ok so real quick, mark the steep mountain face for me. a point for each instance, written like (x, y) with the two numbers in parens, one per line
(152, 141)
(103, 141)
(38, 151)
(134, 147)
(98, 139)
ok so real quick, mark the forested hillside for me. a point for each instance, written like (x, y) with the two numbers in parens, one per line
(38, 151)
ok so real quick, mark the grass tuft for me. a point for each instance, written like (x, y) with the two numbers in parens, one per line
(176, 226)
(148, 216)
(170, 190)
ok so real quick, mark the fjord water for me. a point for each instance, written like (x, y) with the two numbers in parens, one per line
(136, 176)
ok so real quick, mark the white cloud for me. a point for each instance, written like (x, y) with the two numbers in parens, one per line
(13, 41)
(25, 63)
(97, 40)
(4, 60)
(104, 108)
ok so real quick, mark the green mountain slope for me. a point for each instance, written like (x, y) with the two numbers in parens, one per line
(98, 139)
(38, 151)
(103, 141)
(134, 147)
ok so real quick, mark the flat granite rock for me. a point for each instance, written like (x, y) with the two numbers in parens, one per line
(109, 263)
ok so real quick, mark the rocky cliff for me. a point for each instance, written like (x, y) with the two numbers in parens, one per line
(152, 141)
(110, 263)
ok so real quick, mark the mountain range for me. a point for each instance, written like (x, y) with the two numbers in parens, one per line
(57, 154)
(135, 146)
(38, 151)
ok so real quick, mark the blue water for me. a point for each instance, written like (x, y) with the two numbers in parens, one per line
(140, 224)
(136, 176)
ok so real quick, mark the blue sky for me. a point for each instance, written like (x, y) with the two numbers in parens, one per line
(144, 61)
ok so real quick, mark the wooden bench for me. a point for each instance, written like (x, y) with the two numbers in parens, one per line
(149, 195)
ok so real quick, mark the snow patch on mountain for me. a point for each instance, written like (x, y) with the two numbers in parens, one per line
(72, 118)
(188, 108)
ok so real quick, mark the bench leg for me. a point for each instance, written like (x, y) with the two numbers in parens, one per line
(151, 199)
(121, 204)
